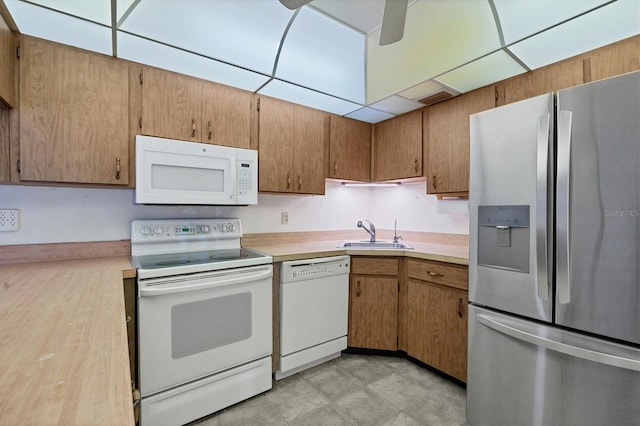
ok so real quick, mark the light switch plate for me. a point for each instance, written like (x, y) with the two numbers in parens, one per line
(285, 218)
(9, 220)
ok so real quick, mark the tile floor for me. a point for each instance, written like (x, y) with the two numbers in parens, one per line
(352, 390)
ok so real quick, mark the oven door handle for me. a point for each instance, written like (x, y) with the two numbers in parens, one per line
(160, 289)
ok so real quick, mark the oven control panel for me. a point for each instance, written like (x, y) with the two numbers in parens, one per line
(185, 230)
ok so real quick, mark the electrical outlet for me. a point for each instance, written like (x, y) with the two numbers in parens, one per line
(9, 220)
(285, 218)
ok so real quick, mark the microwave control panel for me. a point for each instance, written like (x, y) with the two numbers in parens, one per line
(245, 177)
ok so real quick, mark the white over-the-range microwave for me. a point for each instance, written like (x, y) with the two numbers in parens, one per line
(178, 172)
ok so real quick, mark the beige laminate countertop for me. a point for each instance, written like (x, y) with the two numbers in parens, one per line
(63, 343)
(442, 252)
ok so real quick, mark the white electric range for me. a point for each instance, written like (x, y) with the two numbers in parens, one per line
(204, 318)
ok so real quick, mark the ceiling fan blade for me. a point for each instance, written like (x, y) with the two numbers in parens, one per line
(393, 19)
(294, 4)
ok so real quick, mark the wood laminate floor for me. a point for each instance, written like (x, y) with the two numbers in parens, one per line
(352, 390)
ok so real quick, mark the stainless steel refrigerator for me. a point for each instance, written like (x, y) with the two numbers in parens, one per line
(554, 259)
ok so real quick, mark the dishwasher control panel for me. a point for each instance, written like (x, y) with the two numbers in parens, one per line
(314, 268)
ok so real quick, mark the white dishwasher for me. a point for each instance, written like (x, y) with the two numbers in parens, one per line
(314, 297)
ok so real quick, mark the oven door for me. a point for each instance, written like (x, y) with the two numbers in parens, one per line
(195, 325)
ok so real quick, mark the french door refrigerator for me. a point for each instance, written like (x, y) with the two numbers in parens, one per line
(554, 259)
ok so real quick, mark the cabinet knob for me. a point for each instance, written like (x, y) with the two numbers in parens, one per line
(460, 307)
(117, 168)
(193, 127)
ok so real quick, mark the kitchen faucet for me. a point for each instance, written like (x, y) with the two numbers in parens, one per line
(396, 237)
(371, 231)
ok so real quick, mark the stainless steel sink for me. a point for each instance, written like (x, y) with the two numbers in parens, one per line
(374, 245)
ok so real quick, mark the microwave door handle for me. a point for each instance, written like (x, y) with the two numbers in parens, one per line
(161, 290)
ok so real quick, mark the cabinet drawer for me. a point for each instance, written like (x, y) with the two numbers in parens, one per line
(374, 265)
(438, 272)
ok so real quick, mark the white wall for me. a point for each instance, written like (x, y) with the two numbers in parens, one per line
(57, 214)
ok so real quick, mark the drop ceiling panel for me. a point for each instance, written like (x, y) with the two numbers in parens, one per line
(363, 15)
(322, 54)
(581, 34)
(245, 33)
(522, 18)
(94, 10)
(439, 36)
(300, 95)
(481, 72)
(396, 105)
(50, 25)
(158, 55)
(369, 115)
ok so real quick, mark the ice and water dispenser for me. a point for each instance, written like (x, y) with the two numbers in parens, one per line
(503, 237)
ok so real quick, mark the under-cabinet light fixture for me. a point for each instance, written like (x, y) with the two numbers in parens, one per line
(371, 184)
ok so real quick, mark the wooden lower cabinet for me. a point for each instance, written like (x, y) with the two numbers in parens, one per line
(437, 315)
(373, 312)
(373, 303)
(437, 327)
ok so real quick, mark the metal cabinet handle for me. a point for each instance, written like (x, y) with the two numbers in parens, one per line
(435, 274)
(299, 182)
(433, 182)
(117, 168)
(415, 165)
(193, 127)
(288, 180)
(358, 289)
(335, 167)
(460, 307)
(128, 319)
(209, 123)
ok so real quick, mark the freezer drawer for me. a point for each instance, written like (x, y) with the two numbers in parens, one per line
(523, 373)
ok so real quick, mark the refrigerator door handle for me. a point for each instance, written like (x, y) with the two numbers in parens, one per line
(574, 351)
(563, 211)
(542, 173)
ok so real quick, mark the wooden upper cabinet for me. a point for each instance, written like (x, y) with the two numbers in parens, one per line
(176, 106)
(349, 149)
(560, 75)
(618, 58)
(291, 154)
(398, 147)
(226, 116)
(73, 115)
(7, 65)
(171, 105)
(446, 135)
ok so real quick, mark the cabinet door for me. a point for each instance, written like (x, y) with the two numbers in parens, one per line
(447, 140)
(171, 105)
(544, 80)
(275, 149)
(226, 118)
(398, 147)
(73, 115)
(349, 149)
(616, 59)
(309, 142)
(7, 62)
(437, 327)
(373, 312)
